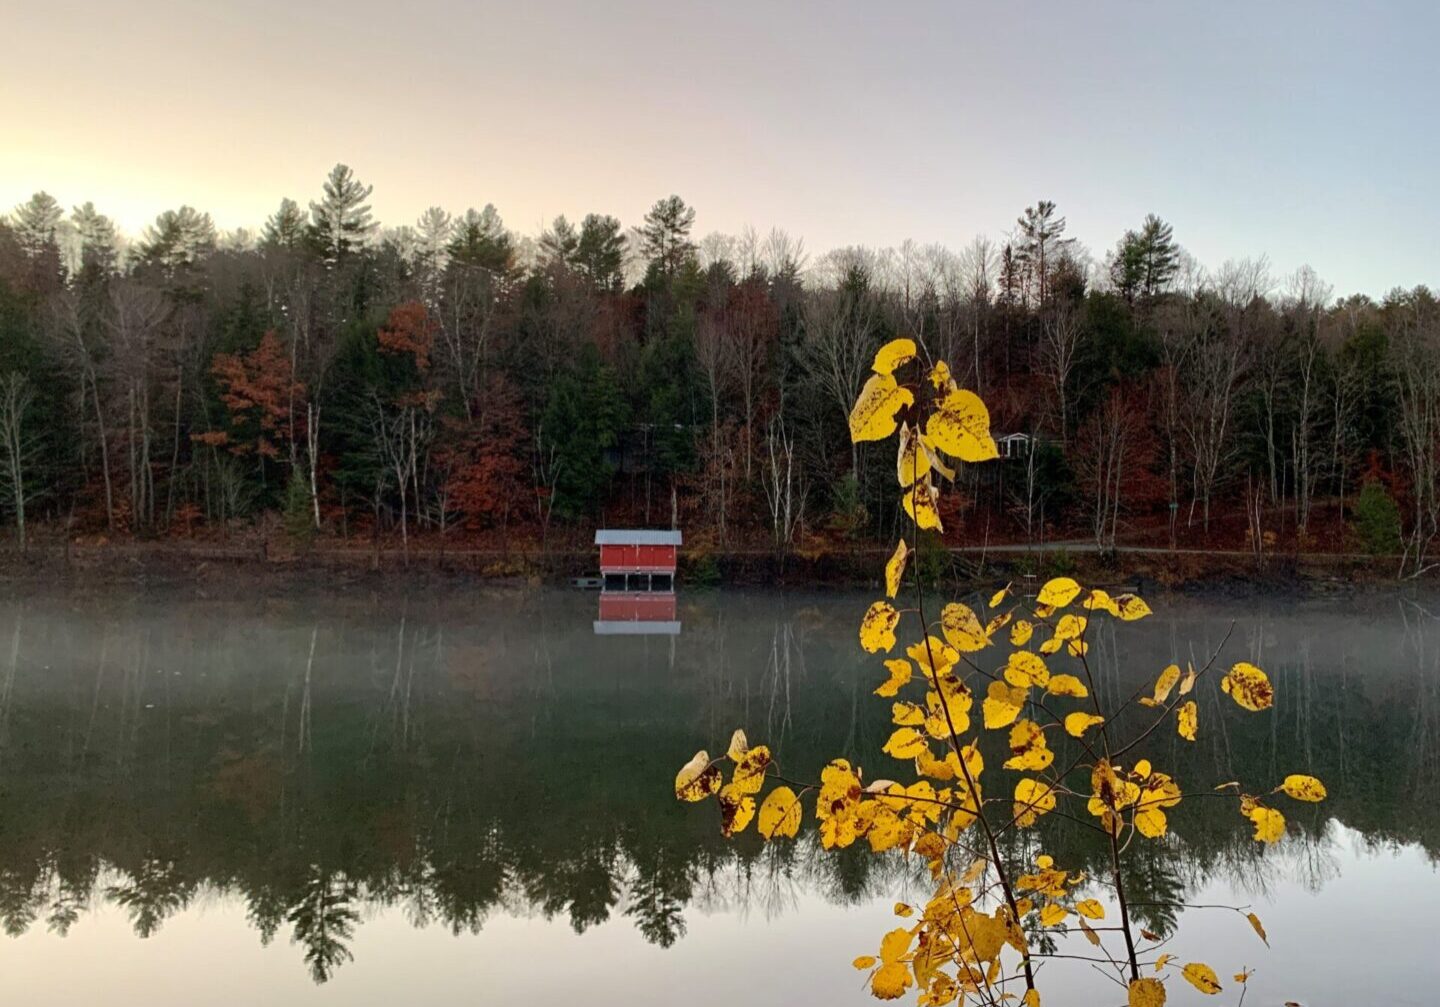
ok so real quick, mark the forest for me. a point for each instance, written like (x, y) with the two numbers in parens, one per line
(452, 381)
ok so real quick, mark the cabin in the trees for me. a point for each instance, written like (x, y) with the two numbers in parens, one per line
(637, 559)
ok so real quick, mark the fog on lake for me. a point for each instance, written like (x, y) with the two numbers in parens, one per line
(467, 794)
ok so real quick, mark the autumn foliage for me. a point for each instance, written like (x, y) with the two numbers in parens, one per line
(1016, 666)
(259, 391)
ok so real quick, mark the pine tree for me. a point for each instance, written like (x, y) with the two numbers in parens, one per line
(600, 252)
(285, 229)
(559, 244)
(177, 240)
(340, 223)
(665, 239)
(99, 244)
(1041, 243)
(1161, 259)
(481, 240)
(36, 225)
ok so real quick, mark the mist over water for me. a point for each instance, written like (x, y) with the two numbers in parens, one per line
(355, 800)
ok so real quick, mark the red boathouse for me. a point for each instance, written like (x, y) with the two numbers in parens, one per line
(637, 559)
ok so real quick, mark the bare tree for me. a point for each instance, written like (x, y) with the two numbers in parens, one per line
(1415, 350)
(16, 444)
(839, 344)
(1060, 340)
(784, 486)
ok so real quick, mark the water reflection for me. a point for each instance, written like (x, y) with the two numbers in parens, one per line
(486, 755)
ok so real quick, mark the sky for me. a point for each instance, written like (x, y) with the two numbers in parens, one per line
(1304, 131)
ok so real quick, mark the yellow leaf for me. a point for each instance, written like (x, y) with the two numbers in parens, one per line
(864, 962)
(907, 714)
(1067, 685)
(902, 910)
(932, 657)
(962, 628)
(895, 569)
(890, 981)
(1027, 743)
(1033, 798)
(997, 623)
(1202, 977)
(1187, 719)
(1101, 600)
(973, 766)
(1248, 686)
(1142, 768)
(1303, 788)
(999, 596)
(1147, 993)
(873, 418)
(912, 463)
(927, 765)
(750, 770)
(1031, 998)
(1021, 632)
(894, 945)
(877, 629)
(893, 354)
(922, 504)
(940, 376)
(1090, 935)
(961, 427)
(1002, 705)
(1166, 682)
(1026, 669)
(1053, 914)
(1076, 724)
(905, 743)
(1187, 683)
(779, 814)
(948, 716)
(1058, 592)
(1091, 909)
(739, 745)
(698, 778)
(1269, 824)
(736, 809)
(1131, 607)
(900, 673)
(1258, 927)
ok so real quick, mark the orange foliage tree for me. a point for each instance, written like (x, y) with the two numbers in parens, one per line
(259, 391)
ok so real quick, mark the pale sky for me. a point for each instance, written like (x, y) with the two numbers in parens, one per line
(1306, 131)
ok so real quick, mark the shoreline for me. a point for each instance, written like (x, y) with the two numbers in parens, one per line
(275, 566)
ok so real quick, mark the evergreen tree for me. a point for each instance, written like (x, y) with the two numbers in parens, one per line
(340, 223)
(99, 244)
(1042, 242)
(481, 240)
(600, 252)
(177, 239)
(665, 240)
(36, 226)
(582, 420)
(559, 244)
(285, 229)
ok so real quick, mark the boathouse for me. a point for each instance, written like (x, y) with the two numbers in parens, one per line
(637, 559)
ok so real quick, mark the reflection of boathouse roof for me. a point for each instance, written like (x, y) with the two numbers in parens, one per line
(641, 536)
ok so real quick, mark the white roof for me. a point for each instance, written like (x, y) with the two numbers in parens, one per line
(637, 536)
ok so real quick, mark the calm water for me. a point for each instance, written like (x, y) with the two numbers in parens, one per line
(467, 799)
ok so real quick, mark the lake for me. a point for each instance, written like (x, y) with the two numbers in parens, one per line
(467, 798)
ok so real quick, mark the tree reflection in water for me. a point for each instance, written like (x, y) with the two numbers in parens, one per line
(317, 758)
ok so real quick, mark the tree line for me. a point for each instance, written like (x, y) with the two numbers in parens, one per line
(455, 379)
